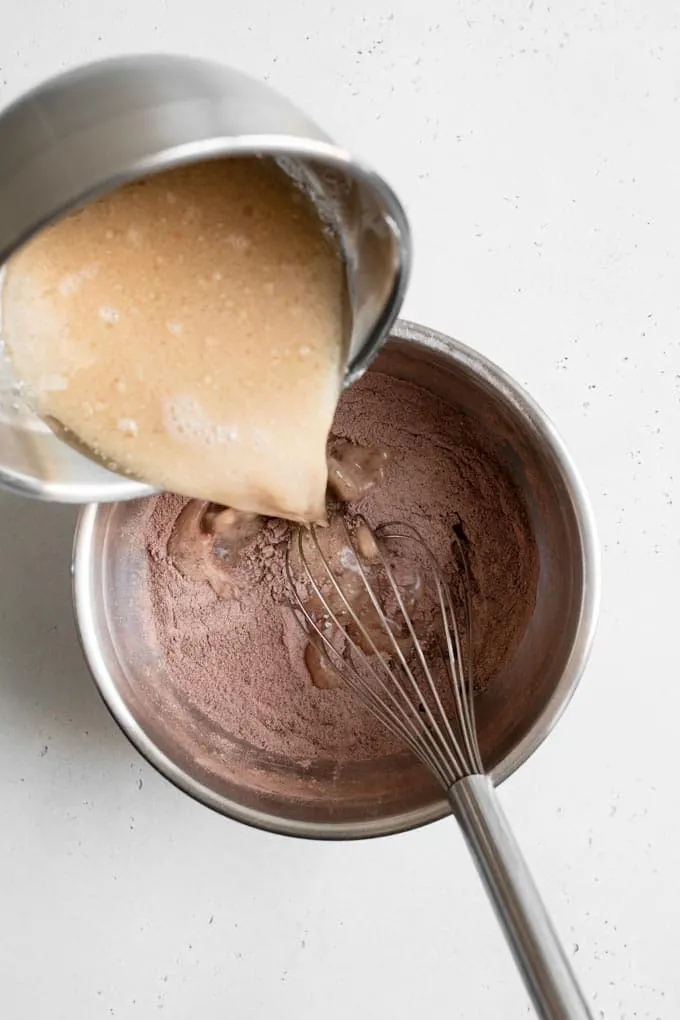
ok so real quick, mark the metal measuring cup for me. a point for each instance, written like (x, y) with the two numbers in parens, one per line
(91, 130)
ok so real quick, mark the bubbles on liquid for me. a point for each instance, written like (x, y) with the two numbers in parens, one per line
(187, 421)
(71, 284)
(128, 425)
(109, 315)
(240, 242)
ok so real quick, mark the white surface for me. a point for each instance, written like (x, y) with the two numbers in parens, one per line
(536, 152)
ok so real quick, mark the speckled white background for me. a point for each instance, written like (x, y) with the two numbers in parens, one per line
(536, 151)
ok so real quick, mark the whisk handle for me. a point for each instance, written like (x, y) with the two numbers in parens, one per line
(538, 953)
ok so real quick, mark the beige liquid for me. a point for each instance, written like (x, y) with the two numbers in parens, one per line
(190, 330)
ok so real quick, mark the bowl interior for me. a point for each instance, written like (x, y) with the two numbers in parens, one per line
(393, 793)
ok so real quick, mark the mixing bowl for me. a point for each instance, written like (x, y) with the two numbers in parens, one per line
(88, 131)
(391, 794)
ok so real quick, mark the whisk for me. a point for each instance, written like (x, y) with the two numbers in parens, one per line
(364, 617)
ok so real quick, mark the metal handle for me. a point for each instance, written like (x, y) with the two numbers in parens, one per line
(540, 958)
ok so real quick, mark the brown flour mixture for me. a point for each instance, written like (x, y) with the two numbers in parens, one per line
(236, 664)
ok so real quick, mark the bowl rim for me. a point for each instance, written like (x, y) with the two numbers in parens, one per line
(510, 391)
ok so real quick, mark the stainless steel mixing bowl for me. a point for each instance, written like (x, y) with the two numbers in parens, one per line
(324, 799)
(86, 132)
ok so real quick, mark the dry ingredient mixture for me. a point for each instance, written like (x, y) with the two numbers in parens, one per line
(190, 329)
(232, 656)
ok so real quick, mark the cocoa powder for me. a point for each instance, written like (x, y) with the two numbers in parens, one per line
(236, 664)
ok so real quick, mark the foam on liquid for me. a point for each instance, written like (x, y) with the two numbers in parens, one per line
(190, 330)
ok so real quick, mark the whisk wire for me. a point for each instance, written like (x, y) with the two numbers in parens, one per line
(466, 663)
(432, 687)
(461, 680)
(393, 715)
(411, 707)
(433, 738)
